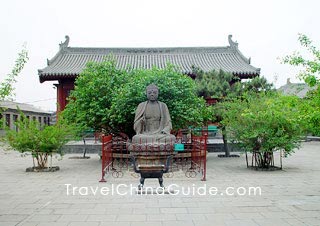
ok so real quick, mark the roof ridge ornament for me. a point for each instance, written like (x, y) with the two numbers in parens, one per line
(233, 45)
(65, 43)
(62, 47)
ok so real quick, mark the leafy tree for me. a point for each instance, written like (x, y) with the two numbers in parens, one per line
(216, 84)
(310, 73)
(40, 142)
(219, 85)
(311, 67)
(106, 97)
(225, 86)
(264, 123)
(256, 85)
(90, 102)
(6, 86)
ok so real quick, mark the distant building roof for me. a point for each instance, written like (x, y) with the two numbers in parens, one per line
(22, 107)
(70, 61)
(297, 89)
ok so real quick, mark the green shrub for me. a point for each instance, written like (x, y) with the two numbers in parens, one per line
(264, 124)
(40, 142)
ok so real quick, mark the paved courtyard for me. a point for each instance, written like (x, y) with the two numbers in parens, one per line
(288, 197)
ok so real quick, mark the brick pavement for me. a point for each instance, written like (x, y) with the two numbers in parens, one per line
(289, 197)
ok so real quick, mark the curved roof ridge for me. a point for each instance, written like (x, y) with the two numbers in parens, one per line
(146, 50)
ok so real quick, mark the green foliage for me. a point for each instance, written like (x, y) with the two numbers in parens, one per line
(265, 122)
(216, 84)
(106, 97)
(6, 86)
(40, 142)
(225, 86)
(256, 85)
(90, 102)
(311, 75)
(311, 67)
(310, 110)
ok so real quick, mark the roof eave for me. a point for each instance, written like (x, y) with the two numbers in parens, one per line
(44, 77)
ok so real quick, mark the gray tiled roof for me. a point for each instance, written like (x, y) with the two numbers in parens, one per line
(70, 61)
(297, 89)
(23, 107)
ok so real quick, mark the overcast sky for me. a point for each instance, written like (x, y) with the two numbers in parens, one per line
(265, 30)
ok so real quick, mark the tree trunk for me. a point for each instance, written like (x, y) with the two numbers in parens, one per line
(85, 149)
(225, 142)
(42, 160)
(264, 160)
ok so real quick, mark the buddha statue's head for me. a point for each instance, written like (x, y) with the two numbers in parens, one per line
(152, 92)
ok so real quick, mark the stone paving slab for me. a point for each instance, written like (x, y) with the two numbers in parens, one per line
(289, 197)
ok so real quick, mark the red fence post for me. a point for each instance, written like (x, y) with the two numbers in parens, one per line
(204, 159)
(106, 156)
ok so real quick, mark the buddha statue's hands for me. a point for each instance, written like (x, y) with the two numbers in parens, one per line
(143, 121)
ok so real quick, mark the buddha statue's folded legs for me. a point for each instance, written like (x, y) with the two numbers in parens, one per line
(154, 139)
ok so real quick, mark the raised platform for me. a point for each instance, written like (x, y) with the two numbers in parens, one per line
(91, 146)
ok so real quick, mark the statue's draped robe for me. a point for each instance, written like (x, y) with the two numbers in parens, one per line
(162, 134)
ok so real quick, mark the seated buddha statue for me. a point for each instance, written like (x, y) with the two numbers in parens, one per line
(152, 122)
